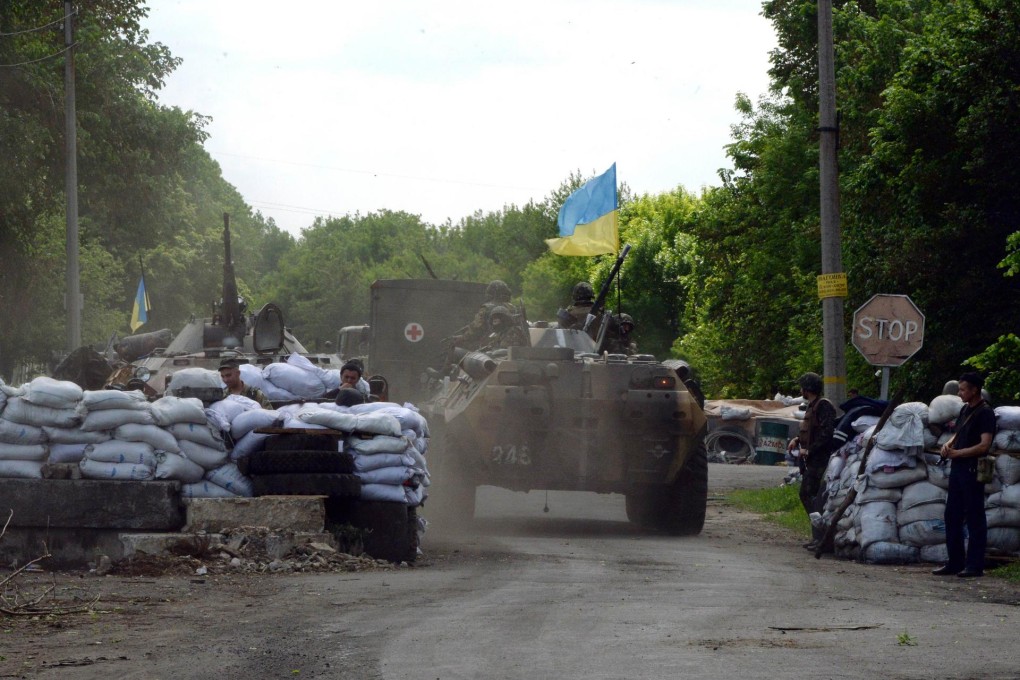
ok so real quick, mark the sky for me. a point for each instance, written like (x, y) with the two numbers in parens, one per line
(442, 108)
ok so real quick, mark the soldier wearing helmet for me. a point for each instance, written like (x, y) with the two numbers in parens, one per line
(620, 341)
(814, 444)
(474, 335)
(504, 331)
(583, 296)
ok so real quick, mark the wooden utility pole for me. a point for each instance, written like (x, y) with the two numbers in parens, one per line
(832, 260)
(73, 301)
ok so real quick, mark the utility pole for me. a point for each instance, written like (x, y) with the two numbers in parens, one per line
(832, 283)
(73, 298)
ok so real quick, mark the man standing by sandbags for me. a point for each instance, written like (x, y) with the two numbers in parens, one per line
(814, 444)
(966, 501)
(230, 374)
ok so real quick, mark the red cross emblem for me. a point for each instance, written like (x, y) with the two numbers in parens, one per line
(414, 332)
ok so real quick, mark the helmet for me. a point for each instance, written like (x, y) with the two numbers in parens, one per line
(500, 311)
(497, 291)
(583, 292)
(811, 382)
(622, 319)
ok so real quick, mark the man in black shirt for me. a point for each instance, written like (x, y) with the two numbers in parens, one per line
(966, 501)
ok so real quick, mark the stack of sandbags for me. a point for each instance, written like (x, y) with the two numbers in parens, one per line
(184, 419)
(131, 457)
(297, 378)
(22, 446)
(42, 403)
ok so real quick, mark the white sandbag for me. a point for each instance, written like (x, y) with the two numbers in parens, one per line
(248, 444)
(36, 452)
(377, 444)
(395, 476)
(1004, 540)
(171, 410)
(252, 420)
(230, 478)
(21, 469)
(383, 492)
(251, 375)
(1006, 440)
(944, 408)
(101, 400)
(943, 439)
(199, 434)
(919, 513)
(890, 553)
(876, 522)
(937, 554)
(217, 421)
(331, 379)
(925, 532)
(274, 393)
(897, 478)
(876, 494)
(382, 460)
(294, 379)
(931, 440)
(920, 493)
(194, 379)
(407, 415)
(292, 422)
(864, 423)
(1003, 516)
(330, 418)
(232, 406)
(734, 413)
(76, 435)
(1010, 496)
(177, 467)
(939, 475)
(1007, 469)
(205, 489)
(378, 423)
(890, 458)
(13, 390)
(26, 413)
(59, 394)
(993, 486)
(1007, 417)
(66, 453)
(205, 456)
(116, 451)
(16, 433)
(414, 495)
(92, 469)
(156, 437)
(111, 419)
(904, 429)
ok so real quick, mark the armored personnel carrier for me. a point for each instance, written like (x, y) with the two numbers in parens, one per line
(557, 415)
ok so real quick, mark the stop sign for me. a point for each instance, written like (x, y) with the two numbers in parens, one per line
(888, 329)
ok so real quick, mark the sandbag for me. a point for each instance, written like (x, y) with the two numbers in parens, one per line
(897, 478)
(251, 375)
(294, 379)
(111, 419)
(383, 492)
(233, 405)
(382, 460)
(931, 440)
(378, 423)
(274, 393)
(937, 554)
(904, 429)
(1007, 417)
(248, 444)
(890, 553)
(230, 478)
(1010, 496)
(176, 466)
(21, 469)
(1004, 540)
(66, 453)
(58, 394)
(91, 469)
(62, 435)
(407, 415)
(16, 433)
(199, 434)
(1007, 469)
(944, 408)
(194, 379)
(864, 423)
(925, 532)
(36, 452)
(395, 476)
(217, 420)
(171, 410)
(158, 438)
(920, 493)
(1003, 516)
(205, 456)
(939, 475)
(102, 400)
(378, 444)
(1006, 440)
(876, 522)
(334, 420)
(919, 513)
(252, 420)
(876, 494)
(205, 489)
(26, 413)
(890, 458)
(116, 451)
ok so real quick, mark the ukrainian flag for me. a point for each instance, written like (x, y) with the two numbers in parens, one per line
(589, 219)
(140, 312)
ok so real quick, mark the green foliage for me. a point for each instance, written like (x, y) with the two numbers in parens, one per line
(905, 639)
(779, 504)
(999, 362)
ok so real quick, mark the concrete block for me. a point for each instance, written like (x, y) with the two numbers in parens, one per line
(293, 513)
(68, 548)
(157, 544)
(92, 504)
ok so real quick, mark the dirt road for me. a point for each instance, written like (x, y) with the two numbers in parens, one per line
(572, 593)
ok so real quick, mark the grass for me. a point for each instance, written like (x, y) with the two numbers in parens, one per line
(780, 505)
(1010, 572)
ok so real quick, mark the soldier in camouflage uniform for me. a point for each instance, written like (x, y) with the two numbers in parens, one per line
(230, 374)
(505, 332)
(620, 339)
(576, 314)
(475, 333)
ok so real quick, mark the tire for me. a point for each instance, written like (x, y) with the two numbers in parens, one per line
(391, 530)
(299, 462)
(312, 484)
(302, 442)
(679, 508)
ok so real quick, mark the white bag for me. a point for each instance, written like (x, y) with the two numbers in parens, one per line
(920, 513)
(944, 408)
(91, 469)
(274, 393)
(18, 410)
(1004, 540)
(66, 453)
(937, 554)
(876, 522)
(171, 410)
(1006, 440)
(230, 478)
(249, 444)
(407, 415)
(394, 476)
(115, 451)
(897, 478)
(194, 379)
(59, 394)
(36, 452)
(377, 444)
(111, 419)
(925, 532)
(176, 466)
(920, 493)
(294, 379)
(1003, 516)
(330, 418)
(383, 492)
(156, 437)
(904, 429)
(1007, 417)
(21, 469)
(890, 553)
(1007, 469)
(378, 423)
(251, 375)
(233, 405)
(16, 433)
(252, 420)
(101, 400)
(205, 489)
(381, 460)
(199, 434)
(205, 456)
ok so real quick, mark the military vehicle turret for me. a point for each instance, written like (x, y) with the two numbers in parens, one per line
(557, 415)
(260, 338)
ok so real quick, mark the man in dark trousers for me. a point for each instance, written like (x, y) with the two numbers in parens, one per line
(966, 501)
(814, 442)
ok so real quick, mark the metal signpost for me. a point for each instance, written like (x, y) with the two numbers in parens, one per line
(888, 330)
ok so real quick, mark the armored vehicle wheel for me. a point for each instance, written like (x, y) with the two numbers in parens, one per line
(679, 508)
(301, 442)
(295, 462)
(391, 530)
(317, 484)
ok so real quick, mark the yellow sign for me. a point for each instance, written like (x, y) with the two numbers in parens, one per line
(832, 285)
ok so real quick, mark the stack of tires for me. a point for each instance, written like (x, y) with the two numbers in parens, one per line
(310, 464)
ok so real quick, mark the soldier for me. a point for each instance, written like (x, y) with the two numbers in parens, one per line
(230, 374)
(574, 316)
(620, 340)
(505, 332)
(474, 334)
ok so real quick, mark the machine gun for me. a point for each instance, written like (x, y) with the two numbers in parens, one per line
(601, 298)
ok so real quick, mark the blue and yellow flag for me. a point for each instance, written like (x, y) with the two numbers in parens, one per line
(588, 220)
(140, 312)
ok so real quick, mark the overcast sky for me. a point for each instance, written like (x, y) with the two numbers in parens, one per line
(444, 107)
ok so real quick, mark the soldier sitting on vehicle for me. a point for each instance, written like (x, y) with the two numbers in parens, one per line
(475, 333)
(576, 315)
(505, 331)
(230, 374)
(620, 341)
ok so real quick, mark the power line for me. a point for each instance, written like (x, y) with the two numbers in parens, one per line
(40, 28)
(33, 61)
